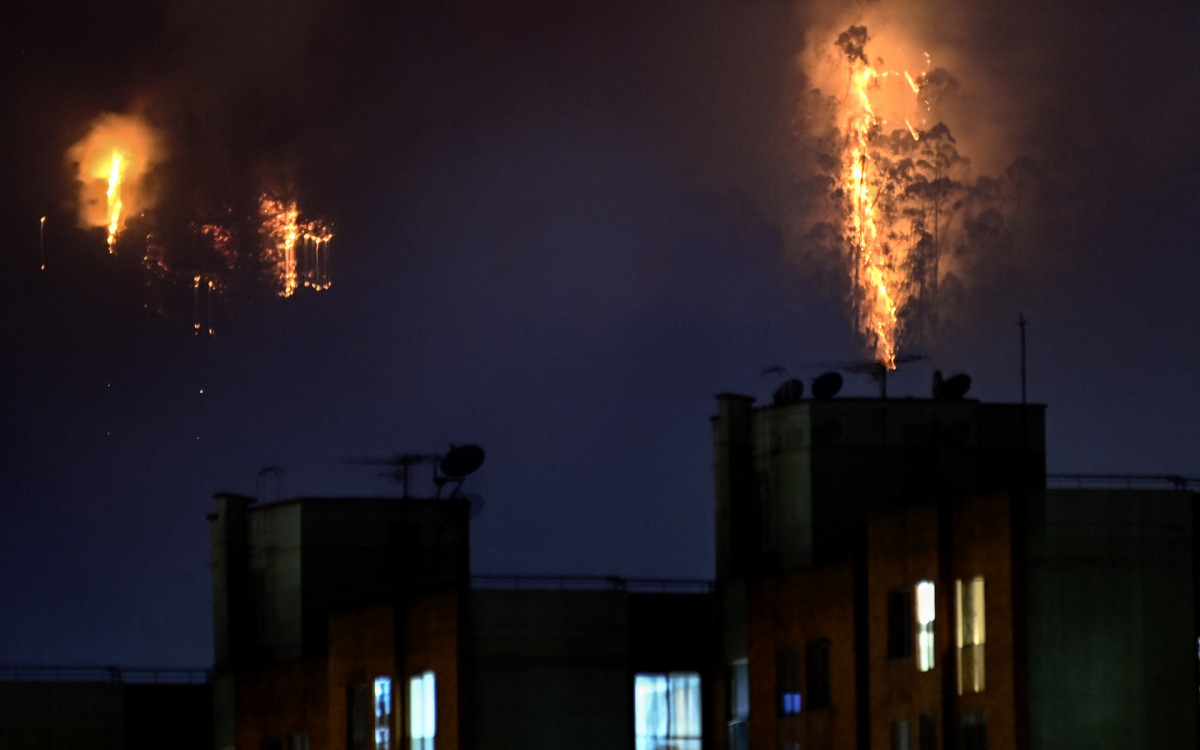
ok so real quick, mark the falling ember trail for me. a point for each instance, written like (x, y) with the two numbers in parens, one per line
(42, 242)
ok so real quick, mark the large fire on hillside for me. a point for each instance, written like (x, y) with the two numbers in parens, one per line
(235, 243)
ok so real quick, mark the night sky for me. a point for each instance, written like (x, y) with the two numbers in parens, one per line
(560, 230)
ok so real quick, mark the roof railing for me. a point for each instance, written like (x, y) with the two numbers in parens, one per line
(111, 674)
(1123, 481)
(592, 583)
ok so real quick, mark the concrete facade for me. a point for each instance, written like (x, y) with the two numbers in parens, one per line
(890, 574)
(556, 668)
(1111, 619)
(1059, 618)
(85, 710)
(280, 571)
(320, 602)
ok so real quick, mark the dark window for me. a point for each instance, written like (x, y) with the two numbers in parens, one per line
(357, 704)
(900, 624)
(817, 673)
(973, 730)
(787, 681)
(739, 735)
(902, 735)
(928, 732)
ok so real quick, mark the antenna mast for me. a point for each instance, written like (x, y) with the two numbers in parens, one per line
(1021, 323)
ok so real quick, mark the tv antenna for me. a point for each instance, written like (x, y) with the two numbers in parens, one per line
(876, 369)
(449, 469)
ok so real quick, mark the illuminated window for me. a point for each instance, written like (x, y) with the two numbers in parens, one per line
(817, 674)
(925, 610)
(787, 681)
(900, 621)
(383, 713)
(422, 711)
(970, 633)
(666, 711)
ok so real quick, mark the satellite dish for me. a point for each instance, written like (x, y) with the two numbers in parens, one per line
(951, 389)
(826, 386)
(461, 461)
(791, 392)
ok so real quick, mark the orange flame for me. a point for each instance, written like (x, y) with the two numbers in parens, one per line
(114, 200)
(284, 230)
(876, 239)
(111, 162)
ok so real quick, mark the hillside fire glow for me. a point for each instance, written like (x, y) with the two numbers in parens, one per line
(240, 236)
(111, 163)
(299, 249)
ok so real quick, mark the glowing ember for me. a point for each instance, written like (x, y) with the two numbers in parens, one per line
(284, 231)
(279, 224)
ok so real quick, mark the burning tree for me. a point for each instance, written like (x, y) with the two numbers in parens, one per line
(898, 184)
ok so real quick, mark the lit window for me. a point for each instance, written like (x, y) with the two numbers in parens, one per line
(422, 711)
(787, 681)
(383, 713)
(667, 711)
(970, 634)
(925, 610)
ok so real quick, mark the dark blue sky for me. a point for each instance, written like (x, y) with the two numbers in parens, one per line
(560, 231)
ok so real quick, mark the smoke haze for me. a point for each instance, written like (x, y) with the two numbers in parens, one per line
(559, 229)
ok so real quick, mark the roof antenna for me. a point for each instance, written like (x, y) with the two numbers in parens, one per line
(1021, 323)
(266, 476)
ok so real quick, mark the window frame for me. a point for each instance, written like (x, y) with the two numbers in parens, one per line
(900, 621)
(421, 727)
(970, 607)
(818, 675)
(788, 695)
(671, 698)
(925, 610)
